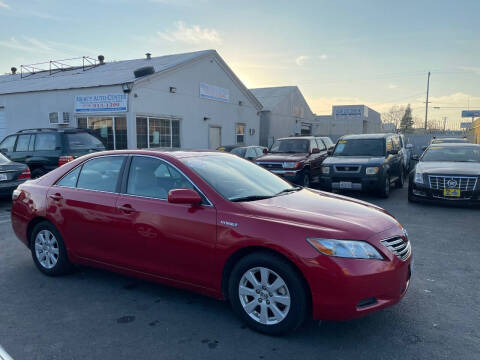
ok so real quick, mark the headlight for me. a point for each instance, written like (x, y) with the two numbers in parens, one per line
(418, 178)
(371, 170)
(289, 165)
(353, 249)
(325, 169)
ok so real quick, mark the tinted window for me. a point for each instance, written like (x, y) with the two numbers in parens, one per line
(239, 151)
(83, 140)
(290, 146)
(70, 180)
(8, 143)
(251, 153)
(360, 147)
(454, 153)
(46, 142)
(154, 178)
(259, 151)
(101, 173)
(22, 142)
(3, 159)
(321, 145)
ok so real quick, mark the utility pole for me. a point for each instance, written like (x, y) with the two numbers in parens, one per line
(444, 123)
(426, 103)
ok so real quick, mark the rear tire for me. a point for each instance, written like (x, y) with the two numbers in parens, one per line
(48, 250)
(306, 180)
(267, 293)
(401, 180)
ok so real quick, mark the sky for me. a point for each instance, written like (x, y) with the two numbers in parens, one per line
(373, 52)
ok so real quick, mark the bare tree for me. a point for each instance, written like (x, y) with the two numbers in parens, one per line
(394, 115)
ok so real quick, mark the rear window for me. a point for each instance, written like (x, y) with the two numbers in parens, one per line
(83, 140)
(239, 151)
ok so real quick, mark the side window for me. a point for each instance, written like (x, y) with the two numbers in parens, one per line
(396, 143)
(101, 173)
(389, 144)
(313, 144)
(22, 142)
(46, 141)
(70, 180)
(154, 178)
(259, 151)
(321, 145)
(8, 143)
(251, 153)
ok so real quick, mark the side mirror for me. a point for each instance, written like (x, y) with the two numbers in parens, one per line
(265, 151)
(415, 157)
(330, 151)
(184, 196)
(315, 150)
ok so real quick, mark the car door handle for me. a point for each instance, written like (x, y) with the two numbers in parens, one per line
(56, 197)
(126, 208)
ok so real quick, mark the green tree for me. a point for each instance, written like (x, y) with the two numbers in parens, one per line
(406, 124)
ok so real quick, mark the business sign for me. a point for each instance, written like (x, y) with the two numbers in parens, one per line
(347, 112)
(213, 92)
(470, 113)
(466, 125)
(101, 103)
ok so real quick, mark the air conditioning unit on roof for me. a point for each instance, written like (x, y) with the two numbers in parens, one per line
(59, 117)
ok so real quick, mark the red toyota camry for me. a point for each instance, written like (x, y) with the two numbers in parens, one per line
(220, 225)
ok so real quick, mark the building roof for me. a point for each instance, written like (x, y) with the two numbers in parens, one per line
(272, 96)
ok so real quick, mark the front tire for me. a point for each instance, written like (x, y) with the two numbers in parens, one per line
(385, 190)
(48, 250)
(267, 293)
(401, 180)
(305, 179)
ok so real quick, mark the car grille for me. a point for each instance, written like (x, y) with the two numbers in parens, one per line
(350, 168)
(271, 165)
(399, 247)
(465, 183)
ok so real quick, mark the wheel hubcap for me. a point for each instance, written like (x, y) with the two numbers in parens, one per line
(264, 296)
(46, 249)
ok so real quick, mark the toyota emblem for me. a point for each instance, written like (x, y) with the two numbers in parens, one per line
(452, 183)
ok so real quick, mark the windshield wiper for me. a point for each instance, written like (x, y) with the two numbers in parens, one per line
(250, 198)
(289, 190)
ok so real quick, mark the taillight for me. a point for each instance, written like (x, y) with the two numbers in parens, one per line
(25, 174)
(62, 160)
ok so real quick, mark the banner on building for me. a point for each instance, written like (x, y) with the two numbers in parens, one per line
(101, 103)
(213, 92)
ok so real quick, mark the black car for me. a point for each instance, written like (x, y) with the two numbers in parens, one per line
(249, 152)
(45, 149)
(447, 172)
(12, 174)
(364, 162)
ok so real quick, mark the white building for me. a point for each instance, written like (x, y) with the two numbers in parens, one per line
(285, 113)
(190, 100)
(348, 119)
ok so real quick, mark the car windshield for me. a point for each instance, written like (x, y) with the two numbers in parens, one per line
(290, 146)
(452, 153)
(83, 140)
(237, 179)
(239, 151)
(360, 147)
(3, 159)
(444, 141)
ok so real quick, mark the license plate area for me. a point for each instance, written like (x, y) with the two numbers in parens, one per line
(451, 192)
(3, 177)
(345, 185)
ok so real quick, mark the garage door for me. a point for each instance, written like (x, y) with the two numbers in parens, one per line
(3, 123)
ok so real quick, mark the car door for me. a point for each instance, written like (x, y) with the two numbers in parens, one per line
(83, 205)
(23, 148)
(175, 241)
(316, 159)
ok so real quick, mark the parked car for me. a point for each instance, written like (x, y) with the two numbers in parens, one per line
(447, 172)
(327, 141)
(12, 174)
(367, 162)
(44, 149)
(249, 152)
(220, 225)
(446, 140)
(406, 152)
(297, 159)
(227, 148)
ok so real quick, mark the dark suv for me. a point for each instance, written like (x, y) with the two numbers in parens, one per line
(297, 159)
(45, 149)
(364, 162)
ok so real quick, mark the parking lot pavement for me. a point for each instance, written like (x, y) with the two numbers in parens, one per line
(94, 314)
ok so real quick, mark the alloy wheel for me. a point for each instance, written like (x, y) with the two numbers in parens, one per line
(46, 249)
(264, 295)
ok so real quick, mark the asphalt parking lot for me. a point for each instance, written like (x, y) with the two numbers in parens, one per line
(94, 314)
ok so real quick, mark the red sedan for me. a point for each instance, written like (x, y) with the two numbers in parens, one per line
(220, 225)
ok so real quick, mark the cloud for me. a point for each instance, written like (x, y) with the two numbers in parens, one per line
(392, 86)
(474, 69)
(323, 57)
(4, 5)
(194, 34)
(301, 60)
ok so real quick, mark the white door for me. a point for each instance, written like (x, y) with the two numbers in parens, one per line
(3, 124)
(214, 137)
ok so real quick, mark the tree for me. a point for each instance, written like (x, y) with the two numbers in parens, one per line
(394, 115)
(406, 124)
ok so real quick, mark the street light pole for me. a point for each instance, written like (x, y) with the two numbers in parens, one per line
(426, 103)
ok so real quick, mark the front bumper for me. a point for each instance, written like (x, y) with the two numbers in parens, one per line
(424, 192)
(359, 286)
(358, 182)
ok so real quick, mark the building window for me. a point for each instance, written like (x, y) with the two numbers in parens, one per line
(111, 130)
(157, 132)
(240, 133)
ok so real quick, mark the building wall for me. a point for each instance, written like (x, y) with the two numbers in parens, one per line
(153, 98)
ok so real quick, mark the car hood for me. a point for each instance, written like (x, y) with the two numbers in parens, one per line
(448, 168)
(283, 157)
(357, 160)
(327, 214)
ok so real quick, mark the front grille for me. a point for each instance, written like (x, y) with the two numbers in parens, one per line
(348, 179)
(399, 247)
(271, 165)
(440, 182)
(347, 168)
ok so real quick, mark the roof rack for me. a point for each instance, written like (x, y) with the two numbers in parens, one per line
(55, 66)
(36, 129)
